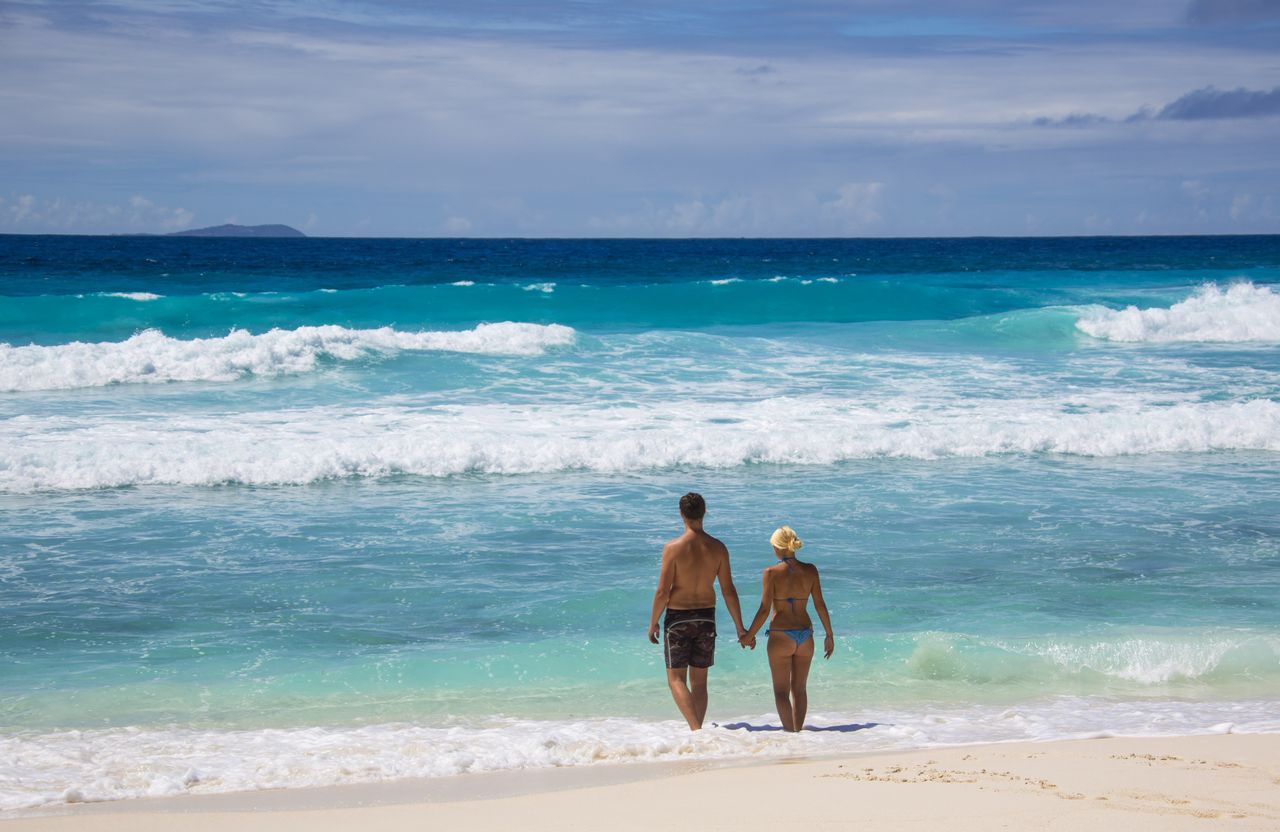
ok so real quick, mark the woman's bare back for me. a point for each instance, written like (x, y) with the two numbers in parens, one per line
(792, 583)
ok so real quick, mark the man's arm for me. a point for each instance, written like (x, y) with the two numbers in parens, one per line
(766, 598)
(730, 593)
(666, 579)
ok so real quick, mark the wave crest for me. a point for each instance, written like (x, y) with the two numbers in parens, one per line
(1243, 312)
(281, 447)
(151, 356)
(139, 296)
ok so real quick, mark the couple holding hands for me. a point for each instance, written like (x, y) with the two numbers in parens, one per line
(691, 563)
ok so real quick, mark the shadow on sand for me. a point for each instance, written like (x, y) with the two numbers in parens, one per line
(844, 729)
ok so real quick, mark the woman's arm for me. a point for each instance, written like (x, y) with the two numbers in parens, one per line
(766, 598)
(820, 604)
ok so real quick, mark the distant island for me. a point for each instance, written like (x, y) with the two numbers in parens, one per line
(231, 230)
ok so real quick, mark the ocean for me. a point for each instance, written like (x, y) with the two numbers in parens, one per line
(287, 513)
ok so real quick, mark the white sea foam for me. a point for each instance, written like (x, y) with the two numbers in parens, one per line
(546, 288)
(777, 278)
(142, 296)
(305, 445)
(463, 283)
(152, 356)
(1242, 312)
(40, 769)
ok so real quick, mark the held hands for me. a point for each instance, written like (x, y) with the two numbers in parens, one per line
(828, 646)
(746, 640)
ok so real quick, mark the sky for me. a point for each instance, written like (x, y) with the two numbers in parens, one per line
(654, 118)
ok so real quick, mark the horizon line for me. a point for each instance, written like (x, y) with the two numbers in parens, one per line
(180, 235)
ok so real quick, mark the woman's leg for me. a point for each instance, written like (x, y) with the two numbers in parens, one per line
(800, 663)
(781, 649)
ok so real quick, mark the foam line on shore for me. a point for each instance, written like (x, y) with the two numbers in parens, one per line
(41, 769)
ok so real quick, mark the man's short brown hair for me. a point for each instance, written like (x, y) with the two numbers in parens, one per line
(692, 506)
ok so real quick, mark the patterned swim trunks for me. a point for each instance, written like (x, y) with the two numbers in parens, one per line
(689, 637)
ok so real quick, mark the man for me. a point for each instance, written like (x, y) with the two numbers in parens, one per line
(691, 563)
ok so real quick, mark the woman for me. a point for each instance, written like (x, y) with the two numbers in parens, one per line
(787, 587)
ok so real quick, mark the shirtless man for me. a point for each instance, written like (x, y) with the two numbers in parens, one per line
(690, 565)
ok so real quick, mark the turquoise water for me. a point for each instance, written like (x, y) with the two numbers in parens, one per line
(284, 513)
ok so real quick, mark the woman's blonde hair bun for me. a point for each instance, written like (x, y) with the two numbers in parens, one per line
(784, 537)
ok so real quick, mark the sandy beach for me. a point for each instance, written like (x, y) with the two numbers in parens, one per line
(1203, 782)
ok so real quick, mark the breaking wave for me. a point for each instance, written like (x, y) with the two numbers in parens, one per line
(1242, 312)
(139, 296)
(151, 356)
(306, 445)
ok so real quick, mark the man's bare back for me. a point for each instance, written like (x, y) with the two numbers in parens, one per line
(696, 560)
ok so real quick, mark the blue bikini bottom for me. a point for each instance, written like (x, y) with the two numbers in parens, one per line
(799, 636)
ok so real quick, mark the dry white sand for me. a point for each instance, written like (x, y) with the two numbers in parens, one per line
(1227, 782)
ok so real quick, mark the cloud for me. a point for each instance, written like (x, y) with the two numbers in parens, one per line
(1210, 103)
(790, 26)
(795, 212)
(734, 215)
(1098, 222)
(1241, 205)
(856, 205)
(1195, 188)
(144, 212)
(458, 226)
(22, 207)
(662, 118)
(1072, 120)
(1213, 12)
(1207, 103)
(29, 214)
(1253, 209)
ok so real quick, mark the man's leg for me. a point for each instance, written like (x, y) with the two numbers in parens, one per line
(684, 698)
(698, 689)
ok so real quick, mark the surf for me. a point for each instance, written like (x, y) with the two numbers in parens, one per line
(445, 440)
(1240, 313)
(151, 357)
